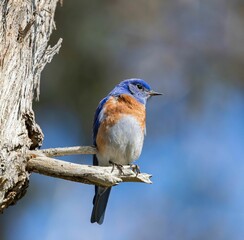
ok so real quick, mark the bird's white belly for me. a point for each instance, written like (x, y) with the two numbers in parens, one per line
(124, 142)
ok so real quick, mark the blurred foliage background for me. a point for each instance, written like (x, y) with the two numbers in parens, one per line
(192, 51)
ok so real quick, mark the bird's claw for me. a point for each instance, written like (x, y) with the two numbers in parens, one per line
(135, 168)
(119, 166)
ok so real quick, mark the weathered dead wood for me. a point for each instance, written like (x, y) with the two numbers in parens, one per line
(101, 176)
(25, 30)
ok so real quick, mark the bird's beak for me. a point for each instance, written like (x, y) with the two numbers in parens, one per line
(153, 93)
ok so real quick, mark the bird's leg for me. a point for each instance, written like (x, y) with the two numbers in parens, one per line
(135, 168)
(119, 166)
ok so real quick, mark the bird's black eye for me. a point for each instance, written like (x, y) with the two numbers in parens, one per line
(139, 86)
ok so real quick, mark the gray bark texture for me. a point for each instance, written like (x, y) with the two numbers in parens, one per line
(25, 30)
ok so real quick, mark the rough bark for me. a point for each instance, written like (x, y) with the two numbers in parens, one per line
(25, 30)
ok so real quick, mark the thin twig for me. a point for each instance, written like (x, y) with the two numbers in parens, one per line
(55, 152)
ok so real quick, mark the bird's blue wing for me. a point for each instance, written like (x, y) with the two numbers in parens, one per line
(96, 122)
(101, 194)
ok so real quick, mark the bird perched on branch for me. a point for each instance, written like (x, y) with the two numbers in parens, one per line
(118, 132)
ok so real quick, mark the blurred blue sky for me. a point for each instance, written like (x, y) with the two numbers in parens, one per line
(193, 52)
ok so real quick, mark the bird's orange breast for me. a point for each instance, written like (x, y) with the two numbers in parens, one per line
(114, 109)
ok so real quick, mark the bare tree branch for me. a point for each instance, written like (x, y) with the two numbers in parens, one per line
(102, 176)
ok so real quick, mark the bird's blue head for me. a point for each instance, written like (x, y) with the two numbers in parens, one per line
(137, 88)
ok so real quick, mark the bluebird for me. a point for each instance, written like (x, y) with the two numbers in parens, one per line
(118, 132)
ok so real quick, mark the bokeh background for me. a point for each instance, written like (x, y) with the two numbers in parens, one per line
(191, 50)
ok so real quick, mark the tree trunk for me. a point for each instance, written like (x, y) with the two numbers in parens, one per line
(25, 30)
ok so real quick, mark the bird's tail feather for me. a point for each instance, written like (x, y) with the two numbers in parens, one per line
(100, 201)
